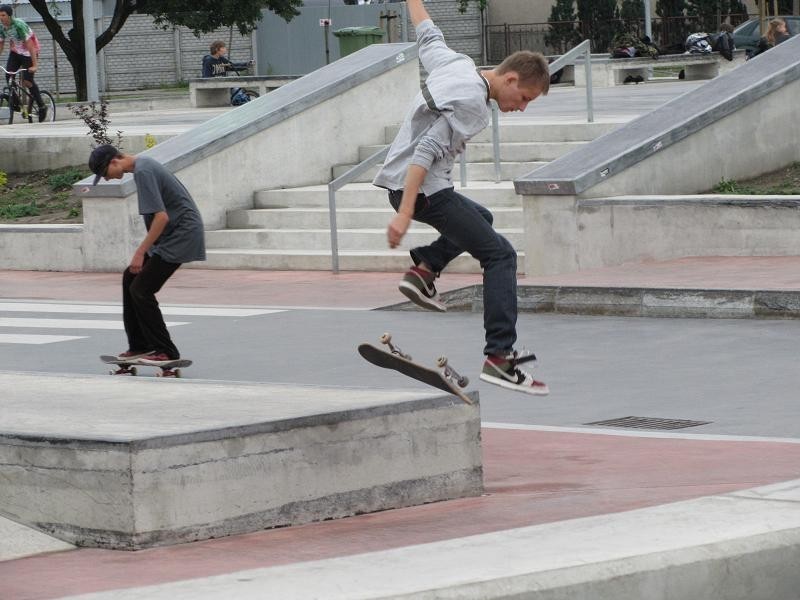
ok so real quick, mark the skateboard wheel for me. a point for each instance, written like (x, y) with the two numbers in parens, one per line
(134, 371)
(386, 338)
(159, 373)
(112, 372)
(441, 362)
(463, 382)
(177, 373)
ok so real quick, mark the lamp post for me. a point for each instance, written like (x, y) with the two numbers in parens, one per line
(92, 94)
(648, 28)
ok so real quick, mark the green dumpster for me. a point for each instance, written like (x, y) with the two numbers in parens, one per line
(352, 39)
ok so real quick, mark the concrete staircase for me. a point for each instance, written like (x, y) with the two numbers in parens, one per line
(288, 229)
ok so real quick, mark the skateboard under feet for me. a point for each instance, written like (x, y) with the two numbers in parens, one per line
(130, 367)
(446, 379)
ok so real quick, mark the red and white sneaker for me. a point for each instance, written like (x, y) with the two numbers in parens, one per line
(156, 360)
(133, 354)
(503, 371)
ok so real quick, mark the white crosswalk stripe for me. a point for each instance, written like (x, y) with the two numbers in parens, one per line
(52, 309)
(8, 338)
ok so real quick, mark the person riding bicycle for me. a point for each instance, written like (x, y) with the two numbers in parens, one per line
(23, 52)
(217, 64)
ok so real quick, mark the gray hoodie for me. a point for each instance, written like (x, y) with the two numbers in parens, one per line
(452, 106)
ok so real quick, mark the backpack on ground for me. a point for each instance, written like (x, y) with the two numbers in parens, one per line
(239, 97)
(698, 43)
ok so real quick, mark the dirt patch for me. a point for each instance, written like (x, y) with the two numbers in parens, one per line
(783, 182)
(41, 197)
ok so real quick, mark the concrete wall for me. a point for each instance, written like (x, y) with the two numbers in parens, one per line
(562, 237)
(725, 129)
(290, 137)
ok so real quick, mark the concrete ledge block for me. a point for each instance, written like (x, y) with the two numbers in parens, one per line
(723, 304)
(95, 462)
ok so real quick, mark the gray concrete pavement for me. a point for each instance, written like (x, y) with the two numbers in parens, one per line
(739, 374)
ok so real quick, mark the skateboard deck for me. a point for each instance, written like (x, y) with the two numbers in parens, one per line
(128, 367)
(394, 359)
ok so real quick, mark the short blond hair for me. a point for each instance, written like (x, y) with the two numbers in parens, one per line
(531, 67)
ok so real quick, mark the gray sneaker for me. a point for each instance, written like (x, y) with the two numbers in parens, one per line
(417, 286)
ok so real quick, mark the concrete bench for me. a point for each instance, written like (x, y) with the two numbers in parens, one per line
(608, 72)
(215, 91)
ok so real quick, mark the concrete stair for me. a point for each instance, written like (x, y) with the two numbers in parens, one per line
(289, 229)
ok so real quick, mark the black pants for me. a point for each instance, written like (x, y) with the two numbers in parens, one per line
(465, 225)
(18, 61)
(144, 323)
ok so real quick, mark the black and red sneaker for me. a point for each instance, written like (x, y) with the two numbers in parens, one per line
(502, 370)
(417, 286)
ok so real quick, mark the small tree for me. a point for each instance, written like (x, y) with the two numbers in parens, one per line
(464, 4)
(563, 32)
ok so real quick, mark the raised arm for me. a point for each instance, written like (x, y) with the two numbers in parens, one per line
(417, 12)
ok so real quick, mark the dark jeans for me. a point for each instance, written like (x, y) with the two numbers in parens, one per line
(144, 323)
(466, 226)
(18, 61)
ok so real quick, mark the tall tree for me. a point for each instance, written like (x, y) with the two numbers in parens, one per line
(672, 28)
(631, 12)
(201, 16)
(706, 15)
(563, 33)
(599, 21)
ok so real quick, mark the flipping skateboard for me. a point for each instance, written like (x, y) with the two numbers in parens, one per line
(446, 379)
(129, 367)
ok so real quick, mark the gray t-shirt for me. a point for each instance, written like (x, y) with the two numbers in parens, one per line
(183, 240)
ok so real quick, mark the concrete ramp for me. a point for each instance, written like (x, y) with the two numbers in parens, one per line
(129, 463)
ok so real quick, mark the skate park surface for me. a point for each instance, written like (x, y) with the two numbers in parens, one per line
(570, 509)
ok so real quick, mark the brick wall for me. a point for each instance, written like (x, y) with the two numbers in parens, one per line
(461, 31)
(142, 55)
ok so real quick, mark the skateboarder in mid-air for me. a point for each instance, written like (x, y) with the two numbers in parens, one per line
(452, 107)
(174, 236)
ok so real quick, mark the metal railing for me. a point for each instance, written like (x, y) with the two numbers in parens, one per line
(336, 184)
(567, 59)
(377, 158)
(585, 49)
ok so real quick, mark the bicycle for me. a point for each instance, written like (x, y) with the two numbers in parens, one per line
(17, 98)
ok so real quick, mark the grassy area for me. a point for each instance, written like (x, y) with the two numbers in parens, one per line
(784, 181)
(41, 197)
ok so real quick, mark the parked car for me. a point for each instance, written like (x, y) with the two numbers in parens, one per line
(746, 35)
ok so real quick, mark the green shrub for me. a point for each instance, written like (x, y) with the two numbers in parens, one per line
(64, 180)
(15, 211)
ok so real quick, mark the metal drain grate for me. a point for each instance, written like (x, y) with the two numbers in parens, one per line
(649, 423)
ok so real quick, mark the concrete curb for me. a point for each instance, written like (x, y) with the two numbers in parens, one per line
(635, 302)
(743, 545)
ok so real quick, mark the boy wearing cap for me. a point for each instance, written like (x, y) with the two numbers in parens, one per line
(175, 236)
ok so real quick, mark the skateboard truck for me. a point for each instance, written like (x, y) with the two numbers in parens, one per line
(386, 339)
(450, 373)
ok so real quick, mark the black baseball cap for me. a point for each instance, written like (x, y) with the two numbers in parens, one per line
(99, 159)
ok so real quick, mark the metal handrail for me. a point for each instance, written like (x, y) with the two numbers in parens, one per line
(336, 184)
(584, 48)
